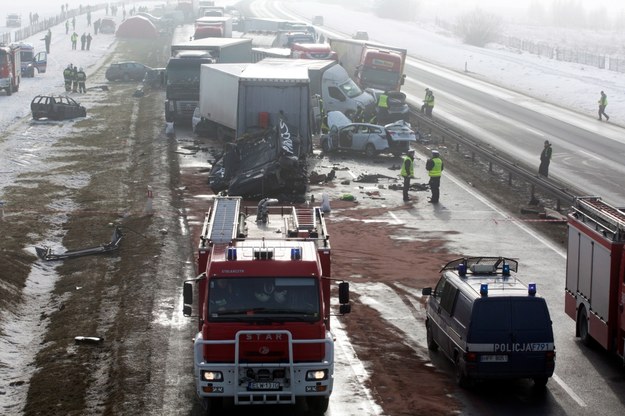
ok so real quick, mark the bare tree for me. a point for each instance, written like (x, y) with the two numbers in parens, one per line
(477, 27)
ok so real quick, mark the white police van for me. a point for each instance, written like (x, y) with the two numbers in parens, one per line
(489, 323)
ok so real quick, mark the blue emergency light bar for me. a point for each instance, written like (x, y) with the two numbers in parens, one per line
(531, 289)
(296, 253)
(231, 253)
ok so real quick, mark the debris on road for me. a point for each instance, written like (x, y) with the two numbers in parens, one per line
(45, 253)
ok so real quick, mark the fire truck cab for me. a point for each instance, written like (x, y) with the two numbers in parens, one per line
(595, 285)
(10, 68)
(263, 305)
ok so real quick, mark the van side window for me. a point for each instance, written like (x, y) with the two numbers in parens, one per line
(448, 298)
(438, 290)
(462, 310)
(336, 93)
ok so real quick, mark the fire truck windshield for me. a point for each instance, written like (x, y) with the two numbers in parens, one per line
(251, 298)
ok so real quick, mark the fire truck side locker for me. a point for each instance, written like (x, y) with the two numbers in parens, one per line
(595, 289)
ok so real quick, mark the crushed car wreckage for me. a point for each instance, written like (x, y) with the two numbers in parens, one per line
(266, 163)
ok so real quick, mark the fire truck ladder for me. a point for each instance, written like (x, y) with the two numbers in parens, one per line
(606, 218)
(306, 219)
(224, 220)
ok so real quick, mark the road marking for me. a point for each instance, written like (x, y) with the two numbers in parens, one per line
(568, 390)
(589, 154)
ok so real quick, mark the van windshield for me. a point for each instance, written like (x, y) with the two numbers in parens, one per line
(350, 89)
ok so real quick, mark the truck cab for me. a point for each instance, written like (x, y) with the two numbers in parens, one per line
(10, 68)
(263, 306)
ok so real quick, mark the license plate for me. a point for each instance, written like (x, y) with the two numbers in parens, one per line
(263, 385)
(494, 358)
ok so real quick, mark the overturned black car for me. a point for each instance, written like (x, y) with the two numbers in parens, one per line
(59, 107)
(270, 162)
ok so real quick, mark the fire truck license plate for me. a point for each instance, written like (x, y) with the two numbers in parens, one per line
(263, 385)
(494, 358)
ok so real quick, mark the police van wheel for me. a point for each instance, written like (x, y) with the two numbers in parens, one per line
(432, 346)
(540, 382)
(461, 378)
(582, 327)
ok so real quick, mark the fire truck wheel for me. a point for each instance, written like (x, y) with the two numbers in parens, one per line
(582, 326)
(317, 405)
(211, 406)
(432, 346)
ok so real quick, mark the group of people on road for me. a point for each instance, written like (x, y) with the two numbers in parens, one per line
(434, 165)
(75, 79)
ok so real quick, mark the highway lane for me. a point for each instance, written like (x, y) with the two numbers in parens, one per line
(587, 154)
(586, 381)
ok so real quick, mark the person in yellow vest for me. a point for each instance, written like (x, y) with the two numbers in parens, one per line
(603, 103)
(434, 166)
(407, 172)
(428, 102)
(382, 110)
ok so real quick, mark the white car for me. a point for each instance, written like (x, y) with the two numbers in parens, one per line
(371, 139)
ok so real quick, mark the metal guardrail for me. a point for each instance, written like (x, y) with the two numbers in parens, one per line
(559, 191)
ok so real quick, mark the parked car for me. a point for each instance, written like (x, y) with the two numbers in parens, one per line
(126, 71)
(361, 35)
(107, 26)
(371, 139)
(397, 108)
(56, 108)
(14, 20)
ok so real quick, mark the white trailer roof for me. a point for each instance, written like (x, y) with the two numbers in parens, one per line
(270, 71)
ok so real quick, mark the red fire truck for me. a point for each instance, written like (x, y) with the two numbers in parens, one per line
(263, 306)
(10, 68)
(595, 289)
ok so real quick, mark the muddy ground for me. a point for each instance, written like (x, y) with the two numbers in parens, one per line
(122, 148)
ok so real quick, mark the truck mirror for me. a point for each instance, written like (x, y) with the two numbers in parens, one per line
(427, 291)
(343, 293)
(187, 293)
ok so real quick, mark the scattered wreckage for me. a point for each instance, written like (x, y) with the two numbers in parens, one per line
(265, 163)
(372, 139)
(57, 108)
(45, 253)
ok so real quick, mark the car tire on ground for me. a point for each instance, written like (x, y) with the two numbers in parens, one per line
(370, 150)
(325, 145)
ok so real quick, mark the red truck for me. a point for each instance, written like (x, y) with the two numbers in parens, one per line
(595, 289)
(10, 68)
(312, 51)
(372, 65)
(263, 306)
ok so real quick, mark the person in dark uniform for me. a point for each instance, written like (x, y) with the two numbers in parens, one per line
(545, 159)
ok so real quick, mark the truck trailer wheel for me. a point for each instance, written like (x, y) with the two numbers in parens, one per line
(317, 405)
(582, 327)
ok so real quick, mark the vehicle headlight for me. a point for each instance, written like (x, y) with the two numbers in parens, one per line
(316, 375)
(208, 375)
